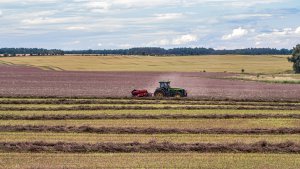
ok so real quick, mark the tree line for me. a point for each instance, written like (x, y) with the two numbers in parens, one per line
(184, 51)
(149, 51)
(30, 51)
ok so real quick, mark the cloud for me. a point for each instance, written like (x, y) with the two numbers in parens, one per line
(180, 40)
(242, 3)
(247, 16)
(277, 33)
(98, 6)
(129, 23)
(76, 28)
(297, 30)
(1, 13)
(29, 1)
(168, 16)
(184, 39)
(38, 21)
(48, 20)
(236, 33)
(280, 38)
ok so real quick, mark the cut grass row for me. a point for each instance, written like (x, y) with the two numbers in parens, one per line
(150, 147)
(149, 160)
(138, 130)
(151, 112)
(166, 123)
(144, 138)
(139, 107)
(145, 116)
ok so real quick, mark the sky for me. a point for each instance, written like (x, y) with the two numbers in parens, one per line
(121, 24)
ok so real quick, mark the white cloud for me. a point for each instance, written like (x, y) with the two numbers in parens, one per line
(257, 43)
(98, 6)
(236, 33)
(184, 39)
(29, 1)
(180, 40)
(168, 16)
(297, 30)
(246, 16)
(279, 38)
(76, 28)
(125, 46)
(38, 21)
(1, 13)
(276, 33)
(242, 3)
(48, 20)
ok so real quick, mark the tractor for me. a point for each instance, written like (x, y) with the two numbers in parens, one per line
(165, 90)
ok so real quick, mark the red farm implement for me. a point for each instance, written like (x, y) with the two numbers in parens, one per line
(140, 93)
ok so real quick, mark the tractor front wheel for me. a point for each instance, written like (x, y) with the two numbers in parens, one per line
(159, 94)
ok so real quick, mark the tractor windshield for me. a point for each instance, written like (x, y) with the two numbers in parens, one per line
(165, 85)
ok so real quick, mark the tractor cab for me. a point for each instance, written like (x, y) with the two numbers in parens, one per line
(164, 84)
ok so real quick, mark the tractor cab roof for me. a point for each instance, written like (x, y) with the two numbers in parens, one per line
(165, 82)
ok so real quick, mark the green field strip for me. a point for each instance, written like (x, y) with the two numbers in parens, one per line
(167, 123)
(149, 112)
(149, 160)
(145, 138)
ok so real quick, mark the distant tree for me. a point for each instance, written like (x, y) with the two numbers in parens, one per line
(296, 59)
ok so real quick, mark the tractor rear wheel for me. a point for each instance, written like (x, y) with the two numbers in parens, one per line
(159, 94)
(177, 95)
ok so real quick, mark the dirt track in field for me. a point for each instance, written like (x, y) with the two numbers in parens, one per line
(27, 81)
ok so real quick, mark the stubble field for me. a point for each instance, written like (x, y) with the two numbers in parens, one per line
(193, 133)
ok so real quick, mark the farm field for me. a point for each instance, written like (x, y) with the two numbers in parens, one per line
(75, 116)
(150, 160)
(221, 63)
(31, 81)
(232, 134)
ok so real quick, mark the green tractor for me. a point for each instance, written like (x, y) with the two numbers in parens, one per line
(165, 90)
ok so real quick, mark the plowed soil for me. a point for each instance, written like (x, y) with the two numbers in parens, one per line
(28, 81)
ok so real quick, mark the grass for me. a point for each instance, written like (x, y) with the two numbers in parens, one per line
(270, 78)
(49, 107)
(217, 63)
(166, 123)
(149, 112)
(149, 160)
(145, 138)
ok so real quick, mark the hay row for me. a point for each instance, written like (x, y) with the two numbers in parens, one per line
(137, 130)
(145, 108)
(145, 116)
(120, 102)
(151, 147)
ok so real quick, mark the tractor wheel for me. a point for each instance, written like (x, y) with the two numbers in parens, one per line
(159, 94)
(177, 95)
